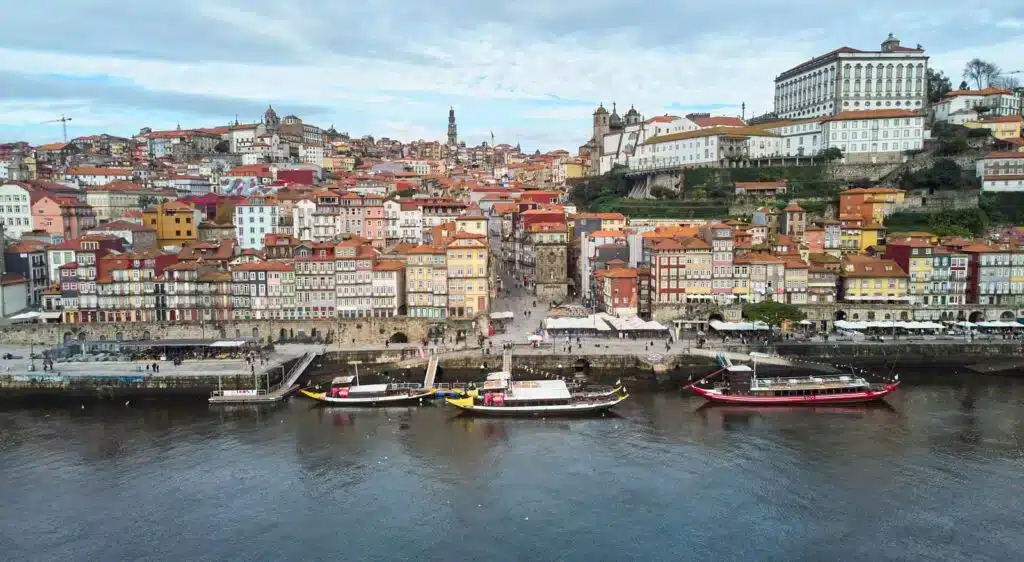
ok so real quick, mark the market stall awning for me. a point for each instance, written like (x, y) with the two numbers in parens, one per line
(720, 326)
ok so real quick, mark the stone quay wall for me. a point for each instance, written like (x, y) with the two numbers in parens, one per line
(364, 331)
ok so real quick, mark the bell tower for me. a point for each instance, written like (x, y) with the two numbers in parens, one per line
(453, 136)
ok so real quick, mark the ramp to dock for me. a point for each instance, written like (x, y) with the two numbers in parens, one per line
(275, 394)
(432, 365)
(506, 361)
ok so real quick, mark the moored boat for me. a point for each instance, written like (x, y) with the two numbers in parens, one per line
(502, 396)
(741, 385)
(344, 393)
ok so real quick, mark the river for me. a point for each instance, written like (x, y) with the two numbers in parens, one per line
(935, 476)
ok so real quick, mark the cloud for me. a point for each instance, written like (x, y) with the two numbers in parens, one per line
(534, 68)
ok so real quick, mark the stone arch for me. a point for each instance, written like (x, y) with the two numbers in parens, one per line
(976, 316)
(146, 336)
(840, 315)
(282, 335)
(855, 317)
(1007, 316)
(960, 316)
(81, 335)
(68, 337)
(119, 336)
(887, 316)
(904, 315)
(398, 337)
(103, 337)
(716, 316)
(256, 334)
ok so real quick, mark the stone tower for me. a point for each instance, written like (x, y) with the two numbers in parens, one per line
(453, 135)
(601, 126)
(270, 119)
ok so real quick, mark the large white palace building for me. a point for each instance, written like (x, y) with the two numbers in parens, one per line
(849, 79)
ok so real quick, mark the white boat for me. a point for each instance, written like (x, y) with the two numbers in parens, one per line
(502, 396)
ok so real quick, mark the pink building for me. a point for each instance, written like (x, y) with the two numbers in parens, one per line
(375, 224)
(814, 238)
(65, 216)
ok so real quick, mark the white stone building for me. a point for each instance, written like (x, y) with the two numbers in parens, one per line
(255, 218)
(15, 209)
(1001, 164)
(959, 104)
(876, 136)
(1002, 183)
(848, 79)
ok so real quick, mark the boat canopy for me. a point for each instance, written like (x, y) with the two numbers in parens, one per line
(507, 315)
(739, 368)
(368, 389)
(539, 390)
(347, 379)
(498, 375)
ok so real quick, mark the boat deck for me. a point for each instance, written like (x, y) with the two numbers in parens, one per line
(274, 394)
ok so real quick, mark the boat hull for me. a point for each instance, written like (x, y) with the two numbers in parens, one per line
(815, 400)
(370, 401)
(582, 409)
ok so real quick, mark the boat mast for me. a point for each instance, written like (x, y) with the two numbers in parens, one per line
(356, 364)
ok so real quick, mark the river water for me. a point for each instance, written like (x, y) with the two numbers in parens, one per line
(936, 476)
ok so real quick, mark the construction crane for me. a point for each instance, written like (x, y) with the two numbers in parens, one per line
(64, 125)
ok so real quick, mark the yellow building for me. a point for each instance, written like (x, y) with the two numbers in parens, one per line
(870, 203)
(696, 269)
(856, 234)
(1003, 127)
(574, 169)
(467, 259)
(867, 279)
(175, 223)
(472, 224)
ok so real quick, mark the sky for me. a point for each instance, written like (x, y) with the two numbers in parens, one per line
(530, 71)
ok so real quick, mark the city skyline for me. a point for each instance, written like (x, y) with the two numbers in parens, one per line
(532, 75)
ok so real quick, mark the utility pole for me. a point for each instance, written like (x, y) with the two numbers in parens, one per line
(64, 125)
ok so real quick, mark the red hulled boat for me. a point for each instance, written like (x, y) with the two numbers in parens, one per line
(741, 385)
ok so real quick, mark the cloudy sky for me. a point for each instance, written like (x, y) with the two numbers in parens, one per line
(531, 71)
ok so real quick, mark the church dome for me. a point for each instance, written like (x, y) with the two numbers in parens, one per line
(601, 110)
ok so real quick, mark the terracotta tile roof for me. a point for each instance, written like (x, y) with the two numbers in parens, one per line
(26, 247)
(1003, 155)
(607, 234)
(1008, 177)
(121, 225)
(618, 272)
(871, 114)
(663, 119)
(100, 172)
(794, 206)
(694, 244)
(53, 146)
(389, 265)
(263, 266)
(864, 266)
(718, 121)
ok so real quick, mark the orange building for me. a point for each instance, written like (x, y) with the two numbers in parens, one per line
(176, 223)
(872, 204)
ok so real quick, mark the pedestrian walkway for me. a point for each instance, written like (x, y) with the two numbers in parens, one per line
(506, 361)
(432, 364)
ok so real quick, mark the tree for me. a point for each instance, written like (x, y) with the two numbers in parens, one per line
(832, 153)
(1009, 82)
(147, 201)
(772, 313)
(938, 85)
(223, 146)
(597, 191)
(406, 192)
(982, 73)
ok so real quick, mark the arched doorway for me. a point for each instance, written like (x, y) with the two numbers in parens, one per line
(146, 336)
(840, 315)
(81, 335)
(1007, 316)
(282, 335)
(904, 315)
(256, 334)
(976, 316)
(119, 336)
(398, 337)
(716, 316)
(961, 316)
(68, 337)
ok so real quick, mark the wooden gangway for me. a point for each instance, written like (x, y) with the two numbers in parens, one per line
(432, 366)
(275, 393)
(506, 361)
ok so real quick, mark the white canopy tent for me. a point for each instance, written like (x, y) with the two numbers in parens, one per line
(887, 325)
(720, 326)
